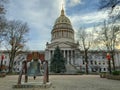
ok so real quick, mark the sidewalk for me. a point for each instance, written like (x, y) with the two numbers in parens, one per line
(66, 82)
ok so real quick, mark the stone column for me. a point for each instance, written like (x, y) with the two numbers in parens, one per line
(68, 57)
(71, 56)
(64, 53)
(53, 52)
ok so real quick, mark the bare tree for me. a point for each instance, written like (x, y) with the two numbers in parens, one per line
(15, 39)
(86, 40)
(109, 4)
(2, 7)
(2, 19)
(113, 7)
(108, 38)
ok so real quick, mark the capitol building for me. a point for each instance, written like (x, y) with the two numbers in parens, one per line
(63, 35)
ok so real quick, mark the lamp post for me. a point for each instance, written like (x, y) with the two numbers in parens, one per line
(109, 63)
(2, 58)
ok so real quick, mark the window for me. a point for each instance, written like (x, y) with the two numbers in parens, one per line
(23, 58)
(103, 57)
(18, 69)
(104, 69)
(5, 62)
(95, 63)
(93, 69)
(90, 57)
(15, 63)
(5, 57)
(91, 62)
(83, 62)
(99, 63)
(13, 69)
(18, 62)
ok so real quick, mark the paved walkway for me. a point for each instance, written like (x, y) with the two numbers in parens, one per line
(67, 82)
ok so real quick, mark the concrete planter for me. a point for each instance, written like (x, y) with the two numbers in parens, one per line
(2, 74)
(114, 77)
(103, 75)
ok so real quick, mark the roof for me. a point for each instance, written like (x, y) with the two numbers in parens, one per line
(62, 22)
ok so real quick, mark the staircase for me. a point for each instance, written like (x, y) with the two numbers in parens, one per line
(71, 69)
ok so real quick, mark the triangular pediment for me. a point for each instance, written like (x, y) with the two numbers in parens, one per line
(62, 45)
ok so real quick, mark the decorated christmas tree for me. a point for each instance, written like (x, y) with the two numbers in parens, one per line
(57, 61)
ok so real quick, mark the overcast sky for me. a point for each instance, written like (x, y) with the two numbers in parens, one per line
(41, 15)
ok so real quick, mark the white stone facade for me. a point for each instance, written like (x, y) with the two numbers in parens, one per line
(97, 61)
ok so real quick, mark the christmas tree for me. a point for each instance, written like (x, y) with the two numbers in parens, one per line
(57, 64)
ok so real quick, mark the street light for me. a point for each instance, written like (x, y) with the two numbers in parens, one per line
(109, 63)
(2, 58)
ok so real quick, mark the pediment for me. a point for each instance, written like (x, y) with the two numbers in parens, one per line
(62, 45)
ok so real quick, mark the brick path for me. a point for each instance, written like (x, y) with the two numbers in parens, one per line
(67, 82)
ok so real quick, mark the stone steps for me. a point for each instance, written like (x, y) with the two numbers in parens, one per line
(70, 69)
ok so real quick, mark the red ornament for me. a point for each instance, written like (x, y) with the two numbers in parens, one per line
(2, 57)
(108, 56)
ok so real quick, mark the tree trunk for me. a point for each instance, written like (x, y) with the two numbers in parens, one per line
(11, 63)
(113, 61)
(1, 65)
(10, 66)
(86, 60)
(109, 66)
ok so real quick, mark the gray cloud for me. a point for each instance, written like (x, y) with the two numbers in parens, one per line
(73, 3)
(41, 15)
(89, 19)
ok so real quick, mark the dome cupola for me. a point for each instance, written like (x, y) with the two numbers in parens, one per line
(62, 29)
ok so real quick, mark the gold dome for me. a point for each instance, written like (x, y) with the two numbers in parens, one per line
(62, 30)
(62, 19)
(62, 22)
